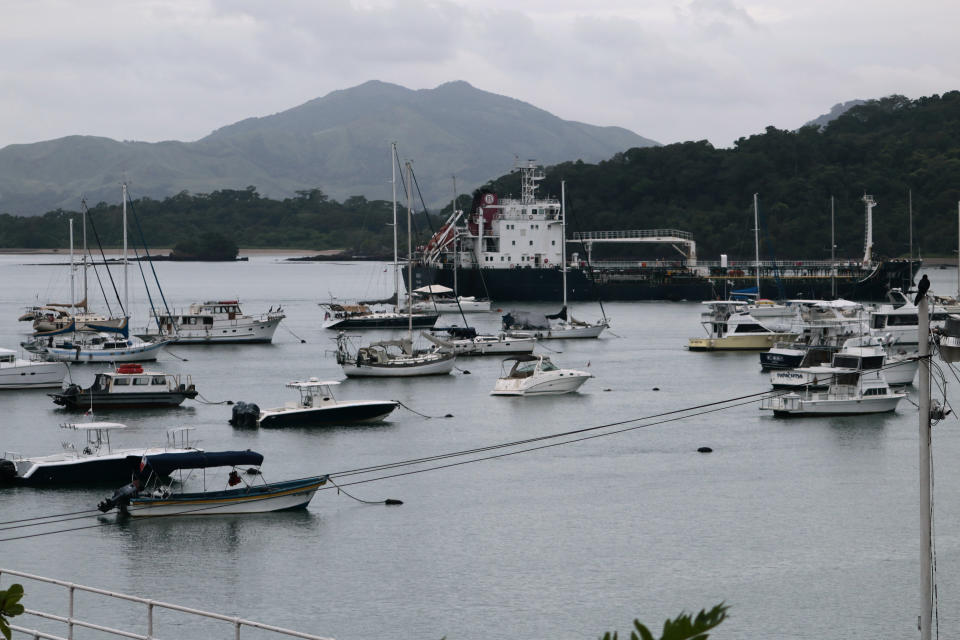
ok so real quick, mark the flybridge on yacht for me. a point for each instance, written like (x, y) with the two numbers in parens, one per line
(217, 321)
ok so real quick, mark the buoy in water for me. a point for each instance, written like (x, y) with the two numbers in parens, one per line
(705, 450)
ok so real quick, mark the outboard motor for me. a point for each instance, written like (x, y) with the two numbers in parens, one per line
(120, 498)
(8, 470)
(245, 415)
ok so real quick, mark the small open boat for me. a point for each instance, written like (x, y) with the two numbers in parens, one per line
(151, 492)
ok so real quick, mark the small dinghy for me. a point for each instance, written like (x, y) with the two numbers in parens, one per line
(129, 386)
(317, 407)
(151, 491)
(536, 375)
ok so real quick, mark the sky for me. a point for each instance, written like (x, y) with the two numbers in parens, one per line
(672, 71)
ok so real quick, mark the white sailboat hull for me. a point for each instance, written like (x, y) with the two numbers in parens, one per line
(141, 353)
(562, 332)
(399, 368)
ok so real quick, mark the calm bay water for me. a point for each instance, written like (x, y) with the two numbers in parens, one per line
(807, 528)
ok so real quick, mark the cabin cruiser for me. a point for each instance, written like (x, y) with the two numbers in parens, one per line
(866, 353)
(217, 321)
(92, 460)
(536, 375)
(851, 391)
(128, 386)
(153, 493)
(899, 321)
(465, 341)
(391, 359)
(824, 327)
(20, 373)
(730, 328)
(316, 407)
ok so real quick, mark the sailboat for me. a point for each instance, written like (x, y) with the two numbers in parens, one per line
(394, 358)
(86, 339)
(520, 324)
(360, 316)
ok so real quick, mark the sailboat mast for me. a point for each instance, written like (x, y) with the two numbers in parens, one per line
(409, 251)
(393, 181)
(456, 256)
(84, 219)
(126, 299)
(563, 239)
(958, 251)
(73, 271)
(756, 240)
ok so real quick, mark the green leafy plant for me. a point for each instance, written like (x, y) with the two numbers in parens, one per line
(684, 627)
(9, 607)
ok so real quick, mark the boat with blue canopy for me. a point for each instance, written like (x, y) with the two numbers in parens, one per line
(244, 490)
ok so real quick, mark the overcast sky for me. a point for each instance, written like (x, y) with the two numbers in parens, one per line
(671, 70)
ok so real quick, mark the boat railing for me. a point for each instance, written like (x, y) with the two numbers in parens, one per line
(148, 619)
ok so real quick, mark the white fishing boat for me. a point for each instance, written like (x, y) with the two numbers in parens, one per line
(91, 460)
(536, 375)
(154, 493)
(465, 341)
(216, 322)
(20, 373)
(317, 407)
(850, 392)
(730, 328)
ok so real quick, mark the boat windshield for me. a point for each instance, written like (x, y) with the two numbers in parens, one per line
(526, 368)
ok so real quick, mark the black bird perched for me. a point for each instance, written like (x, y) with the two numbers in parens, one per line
(922, 288)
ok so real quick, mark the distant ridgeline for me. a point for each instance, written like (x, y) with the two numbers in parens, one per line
(886, 148)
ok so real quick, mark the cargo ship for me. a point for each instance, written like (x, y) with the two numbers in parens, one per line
(512, 249)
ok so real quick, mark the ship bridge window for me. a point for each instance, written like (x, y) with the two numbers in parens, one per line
(141, 381)
(159, 380)
(902, 320)
(121, 382)
(207, 320)
(875, 391)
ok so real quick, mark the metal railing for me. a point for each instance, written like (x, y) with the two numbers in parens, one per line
(73, 622)
(635, 234)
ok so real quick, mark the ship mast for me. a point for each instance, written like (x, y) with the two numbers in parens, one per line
(126, 302)
(870, 203)
(833, 255)
(756, 241)
(409, 253)
(73, 272)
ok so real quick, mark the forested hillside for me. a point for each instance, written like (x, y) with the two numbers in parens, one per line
(886, 148)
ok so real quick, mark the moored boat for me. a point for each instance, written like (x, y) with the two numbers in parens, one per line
(128, 386)
(21, 373)
(730, 328)
(318, 407)
(151, 494)
(536, 375)
(215, 322)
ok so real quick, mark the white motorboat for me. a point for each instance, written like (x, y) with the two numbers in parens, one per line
(536, 375)
(897, 321)
(730, 328)
(850, 392)
(391, 359)
(440, 299)
(20, 373)
(216, 321)
(465, 341)
(90, 461)
(865, 353)
(318, 407)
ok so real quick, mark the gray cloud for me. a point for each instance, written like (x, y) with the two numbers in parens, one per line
(690, 69)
